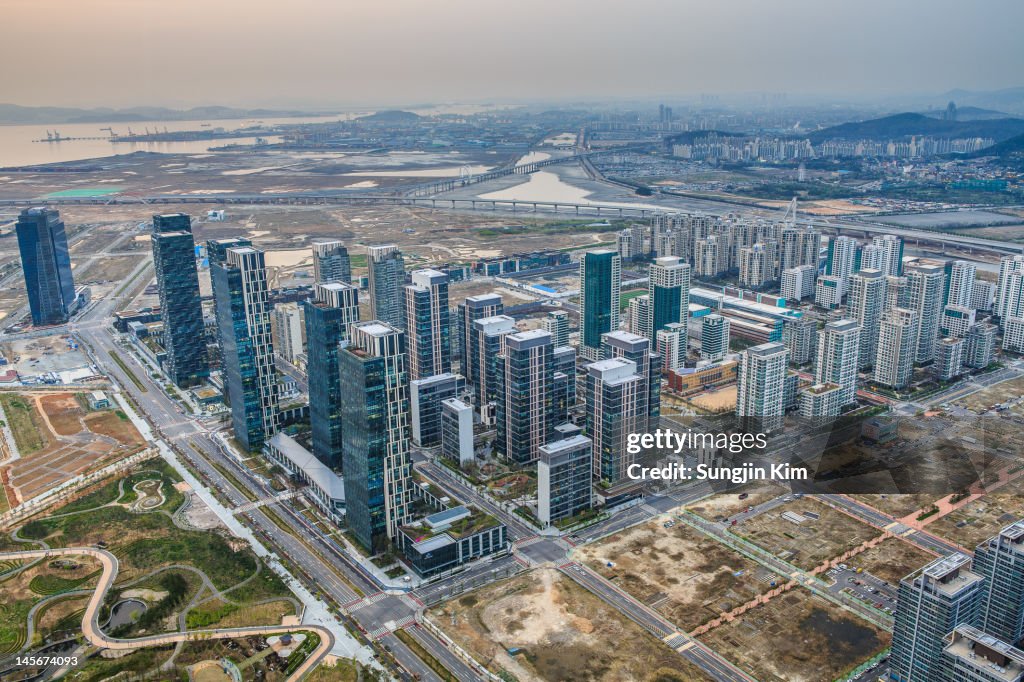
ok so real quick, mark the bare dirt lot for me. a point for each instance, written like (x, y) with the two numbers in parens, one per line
(563, 631)
(891, 559)
(982, 518)
(811, 542)
(688, 577)
(982, 400)
(715, 401)
(724, 505)
(76, 440)
(896, 505)
(797, 637)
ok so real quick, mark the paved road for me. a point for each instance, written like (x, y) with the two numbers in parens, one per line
(709, 661)
(95, 636)
(879, 519)
(786, 570)
(325, 569)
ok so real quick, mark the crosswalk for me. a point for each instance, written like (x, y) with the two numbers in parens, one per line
(248, 507)
(365, 601)
(391, 626)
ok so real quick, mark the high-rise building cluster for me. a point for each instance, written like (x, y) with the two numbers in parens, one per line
(961, 618)
(563, 394)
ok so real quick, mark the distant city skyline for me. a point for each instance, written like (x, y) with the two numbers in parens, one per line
(322, 53)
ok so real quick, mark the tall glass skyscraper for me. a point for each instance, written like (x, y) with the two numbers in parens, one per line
(386, 269)
(331, 262)
(177, 281)
(469, 311)
(932, 602)
(670, 293)
(46, 264)
(375, 432)
(525, 395)
(243, 322)
(600, 279)
(334, 307)
(427, 324)
(1000, 560)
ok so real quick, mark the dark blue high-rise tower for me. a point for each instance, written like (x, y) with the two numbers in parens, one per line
(46, 264)
(181, 309)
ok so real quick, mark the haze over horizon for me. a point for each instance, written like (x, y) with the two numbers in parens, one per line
(323, 53)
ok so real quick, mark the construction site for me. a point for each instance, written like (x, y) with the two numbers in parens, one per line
(59, 436)
(805, 532)
(684, 575)
(797, 637)
(542, 626)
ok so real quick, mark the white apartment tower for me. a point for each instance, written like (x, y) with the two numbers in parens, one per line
(837, 361)
(762, 376)
(892, 254)
(866, 305)
(897, 343)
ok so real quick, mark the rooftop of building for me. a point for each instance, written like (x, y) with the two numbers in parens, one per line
(990, 654)
(335, 286)
(557, 447)
(315, 470)
(495, 323)
(842, 325)
(948, 574)
(1014, 532)
(374, 328)
(766, 349)
(455, 522)
(484, 298)
(530, 338)
(456, 404)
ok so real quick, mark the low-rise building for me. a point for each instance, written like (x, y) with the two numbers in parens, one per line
(324, 487)
(448, 539)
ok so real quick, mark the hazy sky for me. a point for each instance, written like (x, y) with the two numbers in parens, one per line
(339, 52)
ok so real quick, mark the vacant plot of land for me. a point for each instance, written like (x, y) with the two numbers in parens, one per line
(24, 421)
(982, 400)
(63, 412)
(110, 269)
(897, 505)
(716, 401)
(810, 542)
(114, 424)
(75, 440)
(891, 559)
(980, 519)
(797, 637)
(561, 630)
(725, 505)
(686, 576)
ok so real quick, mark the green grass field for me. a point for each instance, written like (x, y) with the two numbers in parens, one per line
(25, 422)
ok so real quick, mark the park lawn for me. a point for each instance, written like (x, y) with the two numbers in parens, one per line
(13, 619)
(110, 491)
(145, 542)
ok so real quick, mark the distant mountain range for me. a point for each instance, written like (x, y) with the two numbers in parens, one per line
(16, 114)
(391, 116)
(905, 125)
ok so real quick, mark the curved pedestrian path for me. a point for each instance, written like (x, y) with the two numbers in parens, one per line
(95, 636)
